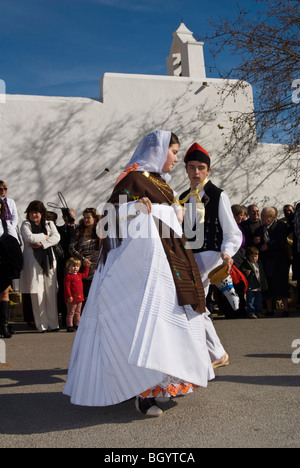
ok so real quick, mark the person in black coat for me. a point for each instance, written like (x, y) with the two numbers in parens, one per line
(275, 260)
(66, 231)
(297, 251)
(252, 228)
(11, 264)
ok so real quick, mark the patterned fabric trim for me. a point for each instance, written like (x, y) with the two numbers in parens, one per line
(170, 387)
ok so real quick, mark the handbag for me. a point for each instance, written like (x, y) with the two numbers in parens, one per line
(58, 251)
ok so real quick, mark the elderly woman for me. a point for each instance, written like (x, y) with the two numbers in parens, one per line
(39, 274)
(7, 267)
(275, 260)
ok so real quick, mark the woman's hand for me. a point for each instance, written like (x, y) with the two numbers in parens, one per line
(36, 245)
(144, 205)
(86, 262)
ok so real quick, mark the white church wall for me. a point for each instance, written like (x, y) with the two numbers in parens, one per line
(50, 144)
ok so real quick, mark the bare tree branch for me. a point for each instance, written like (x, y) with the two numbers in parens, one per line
(269, 48)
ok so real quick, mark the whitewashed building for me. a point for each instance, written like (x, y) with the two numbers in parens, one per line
(51, 144)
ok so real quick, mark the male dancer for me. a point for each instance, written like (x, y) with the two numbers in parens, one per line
(217, 238)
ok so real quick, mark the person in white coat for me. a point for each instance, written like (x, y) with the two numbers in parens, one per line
(38, 277)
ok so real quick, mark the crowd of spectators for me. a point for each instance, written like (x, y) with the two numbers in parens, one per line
(269, 255)
(47, 247)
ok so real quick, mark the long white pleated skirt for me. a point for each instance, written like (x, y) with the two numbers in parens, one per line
(133, 334)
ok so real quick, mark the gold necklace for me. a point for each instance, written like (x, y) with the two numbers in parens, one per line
(160, 185)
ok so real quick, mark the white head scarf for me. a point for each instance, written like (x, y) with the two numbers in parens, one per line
(151, 153)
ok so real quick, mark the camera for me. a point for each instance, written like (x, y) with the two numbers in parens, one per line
(67, 215)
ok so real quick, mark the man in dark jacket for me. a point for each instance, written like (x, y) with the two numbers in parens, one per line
(275, 260)
(252, 228)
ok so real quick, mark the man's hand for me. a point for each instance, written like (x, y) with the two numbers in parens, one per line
(227, 259)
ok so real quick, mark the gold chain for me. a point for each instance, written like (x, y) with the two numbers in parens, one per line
(159, 185)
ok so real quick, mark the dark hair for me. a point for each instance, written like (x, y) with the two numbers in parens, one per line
(92, 211)
(3, 209)
(51, 216)
(174, 140)
(252, 251)
(36, 205)
(250, 207)
(82, 230)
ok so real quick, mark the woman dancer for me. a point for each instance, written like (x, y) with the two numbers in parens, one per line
(142, 333)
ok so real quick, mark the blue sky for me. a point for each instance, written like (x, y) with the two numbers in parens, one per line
(63, 47)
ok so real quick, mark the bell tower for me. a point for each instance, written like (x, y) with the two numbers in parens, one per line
(186, 56)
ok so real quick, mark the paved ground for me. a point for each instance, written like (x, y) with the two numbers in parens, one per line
(255, 402)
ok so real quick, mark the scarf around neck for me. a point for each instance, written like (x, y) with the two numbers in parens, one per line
(42, 255)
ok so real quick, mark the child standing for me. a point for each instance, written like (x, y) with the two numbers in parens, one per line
(73, 288)
(253, 270)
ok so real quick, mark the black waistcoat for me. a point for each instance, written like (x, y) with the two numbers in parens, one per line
(213, 232)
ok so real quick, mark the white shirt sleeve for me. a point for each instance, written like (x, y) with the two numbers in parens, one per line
(232, 236)
(28, 236)
(11, 231)
(14, 212)
(54, 236)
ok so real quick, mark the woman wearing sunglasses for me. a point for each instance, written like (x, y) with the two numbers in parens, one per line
(11, 209)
